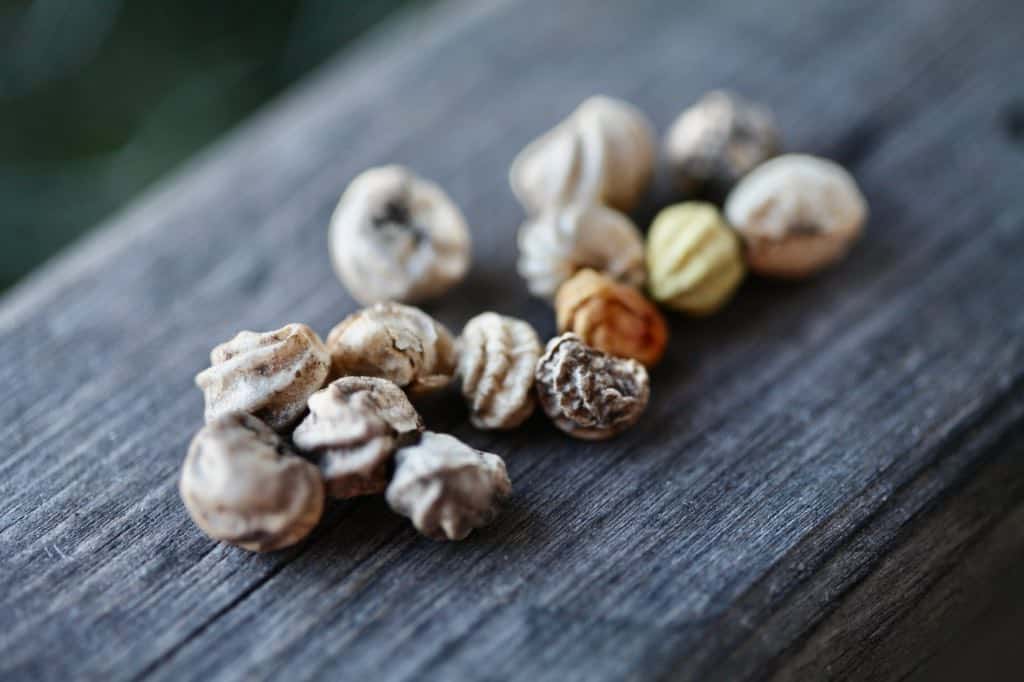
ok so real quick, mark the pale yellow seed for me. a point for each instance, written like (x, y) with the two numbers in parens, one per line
(694, 260)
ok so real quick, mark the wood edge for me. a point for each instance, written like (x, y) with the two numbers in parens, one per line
(924, 611)
(810, 616)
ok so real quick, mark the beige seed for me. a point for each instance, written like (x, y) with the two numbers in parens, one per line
(797, 214)
(395, 236)
(395, 342)
(717, 141)
(497, 356)
(242, 485)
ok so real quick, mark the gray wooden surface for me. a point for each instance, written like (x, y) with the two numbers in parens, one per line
(830, 474)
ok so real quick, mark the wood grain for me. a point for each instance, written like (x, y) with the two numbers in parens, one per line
(827, 472)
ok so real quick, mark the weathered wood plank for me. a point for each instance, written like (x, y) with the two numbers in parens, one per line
(804, 458)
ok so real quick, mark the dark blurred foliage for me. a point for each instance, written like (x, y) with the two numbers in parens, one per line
(100, 97)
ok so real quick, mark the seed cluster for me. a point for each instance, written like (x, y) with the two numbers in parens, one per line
(260, 483)
(292, 420)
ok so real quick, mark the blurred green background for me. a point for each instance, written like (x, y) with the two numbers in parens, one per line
(98, 98)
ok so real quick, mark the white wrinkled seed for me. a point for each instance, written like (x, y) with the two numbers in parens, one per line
(353, 428)
(267, 374)
(554, 245)
(604, 153)
(446, 487)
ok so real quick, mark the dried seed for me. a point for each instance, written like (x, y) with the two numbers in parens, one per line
(267, 374)
(797, 214)
(602, 153)
(611, 317)
(564, 239)
(717, 141)
(497, 356)
(242, 485)
(353, 428)
(395, 342)
(694, 260)
(395, 236)
(587, 393)
(446, 487)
